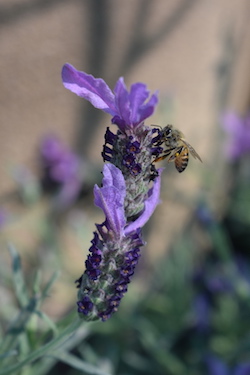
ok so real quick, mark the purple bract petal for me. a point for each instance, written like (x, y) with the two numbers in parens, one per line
(112, 176)
(138, 95)
(149, 207)
(140, 111)
(127, 108)
(122, 101)
(95, 90)
(110, 198)
(148, 109)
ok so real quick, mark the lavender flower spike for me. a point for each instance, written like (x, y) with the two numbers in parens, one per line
(113, 255)
(128, 197)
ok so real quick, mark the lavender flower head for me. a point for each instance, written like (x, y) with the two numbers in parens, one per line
(238, 130)
(62, 169)
(129, 192)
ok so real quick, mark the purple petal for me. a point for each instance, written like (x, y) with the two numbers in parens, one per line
(95, 90)
(122, 101)
(112, 176)
(138, 95)
(140, 111)
(150, 205)
(148, 109)
(110, 198)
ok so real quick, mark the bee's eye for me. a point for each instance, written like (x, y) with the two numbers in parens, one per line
(168, 133)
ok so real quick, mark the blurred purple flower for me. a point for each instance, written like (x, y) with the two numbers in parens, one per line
(238, 129)
(129, 193)
(243, 267)
(219, 284)
(204, 214)
(216, 366)
(52, 149)
(62, 168)
(242, 369)
(210, 281)
(202, 311)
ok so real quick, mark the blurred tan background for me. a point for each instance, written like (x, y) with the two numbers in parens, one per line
(195, 52)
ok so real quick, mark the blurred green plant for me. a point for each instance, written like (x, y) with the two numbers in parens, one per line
(32, 343)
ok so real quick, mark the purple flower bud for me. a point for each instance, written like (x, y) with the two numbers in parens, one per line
(128, 160)
(85, 305)
(133, 147)
(136, 169)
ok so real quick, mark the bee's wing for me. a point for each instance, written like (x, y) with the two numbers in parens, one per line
(192, 150)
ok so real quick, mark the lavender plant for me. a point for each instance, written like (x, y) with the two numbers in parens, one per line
(127, 196)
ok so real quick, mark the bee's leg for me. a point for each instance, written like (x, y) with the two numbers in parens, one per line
(176, 153)
(161, 158)
(164, 156)
(153, 173)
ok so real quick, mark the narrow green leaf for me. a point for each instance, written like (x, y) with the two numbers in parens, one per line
(79, 364)
(18, 278)
(49, 284)
(37, 283)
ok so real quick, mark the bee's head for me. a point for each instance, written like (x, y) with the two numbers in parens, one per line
(167, 131)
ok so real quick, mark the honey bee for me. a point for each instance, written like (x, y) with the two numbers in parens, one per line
(176, 148)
